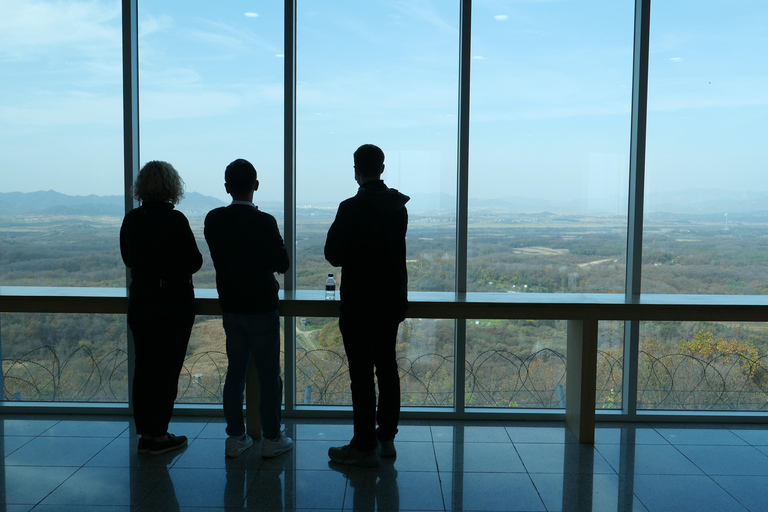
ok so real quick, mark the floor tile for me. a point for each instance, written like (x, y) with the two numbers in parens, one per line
(12, 443)
(683, 493)
(214, 430)
(304, 455)
(191, 429)
(443, 433)
(414, 433)
(440, 466)
(106, 487)
(337, 434)
(580, 492)
(266, 491)
(490, 492)
(727, 460)
(387, 489)
(548, 434)
(122, 452)
(77, 428)
(709, 436)
(478, 457)
(54, 451)
(83, 508)
(616, 435)
(415, 456)
(209, 453)
(312, 489)
(25, 427)
(754, 436)
(559, 458)
(485, 434)
(650, 460)
(750, 491)
(200, 487)
(30, 485)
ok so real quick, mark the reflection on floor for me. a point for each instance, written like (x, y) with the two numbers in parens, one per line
(90, 464)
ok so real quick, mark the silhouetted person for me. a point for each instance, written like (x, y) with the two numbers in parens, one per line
(367, 240)
(159, 247)
(247, 249)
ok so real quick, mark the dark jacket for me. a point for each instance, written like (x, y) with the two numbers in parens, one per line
(367, 240)
(159, 247)
(247, 249)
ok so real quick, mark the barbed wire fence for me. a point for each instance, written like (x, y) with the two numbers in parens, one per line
(494, 378)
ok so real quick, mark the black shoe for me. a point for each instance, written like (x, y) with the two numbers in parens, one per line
(159, 447)
(143, 445)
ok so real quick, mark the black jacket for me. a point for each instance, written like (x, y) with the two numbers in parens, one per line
(247, 249)
(159, 247)
(367, 240)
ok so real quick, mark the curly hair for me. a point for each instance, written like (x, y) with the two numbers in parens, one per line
(158, 181)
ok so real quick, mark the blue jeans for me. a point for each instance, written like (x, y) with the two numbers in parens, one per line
(257, 334)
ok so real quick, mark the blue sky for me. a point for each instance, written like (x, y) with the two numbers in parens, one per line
(550, 95)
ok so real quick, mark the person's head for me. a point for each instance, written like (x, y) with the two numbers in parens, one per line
(240, 179)
(158, 181)
(369, 163)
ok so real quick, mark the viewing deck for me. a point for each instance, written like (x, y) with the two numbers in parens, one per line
(581, 311)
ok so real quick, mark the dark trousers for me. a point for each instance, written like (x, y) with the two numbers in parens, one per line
(370, 346)
(161, 327)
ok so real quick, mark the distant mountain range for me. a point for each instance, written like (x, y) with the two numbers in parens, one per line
(692, 202)
(50, 202)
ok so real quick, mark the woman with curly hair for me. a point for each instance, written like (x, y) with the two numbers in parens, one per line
(159, 247)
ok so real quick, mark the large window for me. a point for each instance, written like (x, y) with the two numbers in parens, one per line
(705, 222)
(550, 132)
(549, 141)
(387, 74)
(210, 91)
(61, 142)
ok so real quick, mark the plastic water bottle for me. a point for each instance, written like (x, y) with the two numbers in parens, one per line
(330, 288)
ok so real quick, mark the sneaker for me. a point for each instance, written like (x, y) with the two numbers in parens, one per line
(273, 448)
(235, 445)
(159, 447)
(348, 454)
(386, 448)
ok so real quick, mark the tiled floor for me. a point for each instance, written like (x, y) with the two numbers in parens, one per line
(90, 464)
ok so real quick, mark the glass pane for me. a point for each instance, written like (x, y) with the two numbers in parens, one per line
(549, 140)
(382, 73)
(61, 141)
(424, 355)
(522, 364)
(211, 91)
(516, 363)
(705, 222)
(64, 357)
(702, 365)
(205, 368)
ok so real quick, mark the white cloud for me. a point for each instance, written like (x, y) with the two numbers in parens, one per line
(280, 55)
(676, 59)
(150, 25)
(28, 30)
(479, 57)
(501, 17)
(252, 14)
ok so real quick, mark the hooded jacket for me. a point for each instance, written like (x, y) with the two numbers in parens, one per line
(367, 240)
